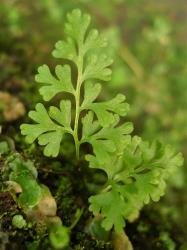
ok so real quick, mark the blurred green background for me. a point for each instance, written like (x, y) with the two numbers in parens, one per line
(148, 41)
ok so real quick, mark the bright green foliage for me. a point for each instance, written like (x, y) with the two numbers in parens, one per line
(104, 142)
(33, 198)
(61, 83)
(136, 176)
(24, 173)
(59, 237)
(46, 130)
(103, 109)
(18, 221)
(81, 47)
(136, 170)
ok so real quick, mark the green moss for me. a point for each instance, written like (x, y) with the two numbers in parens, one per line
(18, 221)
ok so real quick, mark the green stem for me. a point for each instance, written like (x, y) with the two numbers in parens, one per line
(78, 215)
(77, 104)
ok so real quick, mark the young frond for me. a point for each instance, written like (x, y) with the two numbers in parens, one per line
(136, 170)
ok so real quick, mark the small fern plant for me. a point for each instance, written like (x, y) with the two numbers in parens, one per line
(136, 170)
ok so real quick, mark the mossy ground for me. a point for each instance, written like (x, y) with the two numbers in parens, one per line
(160, 226)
